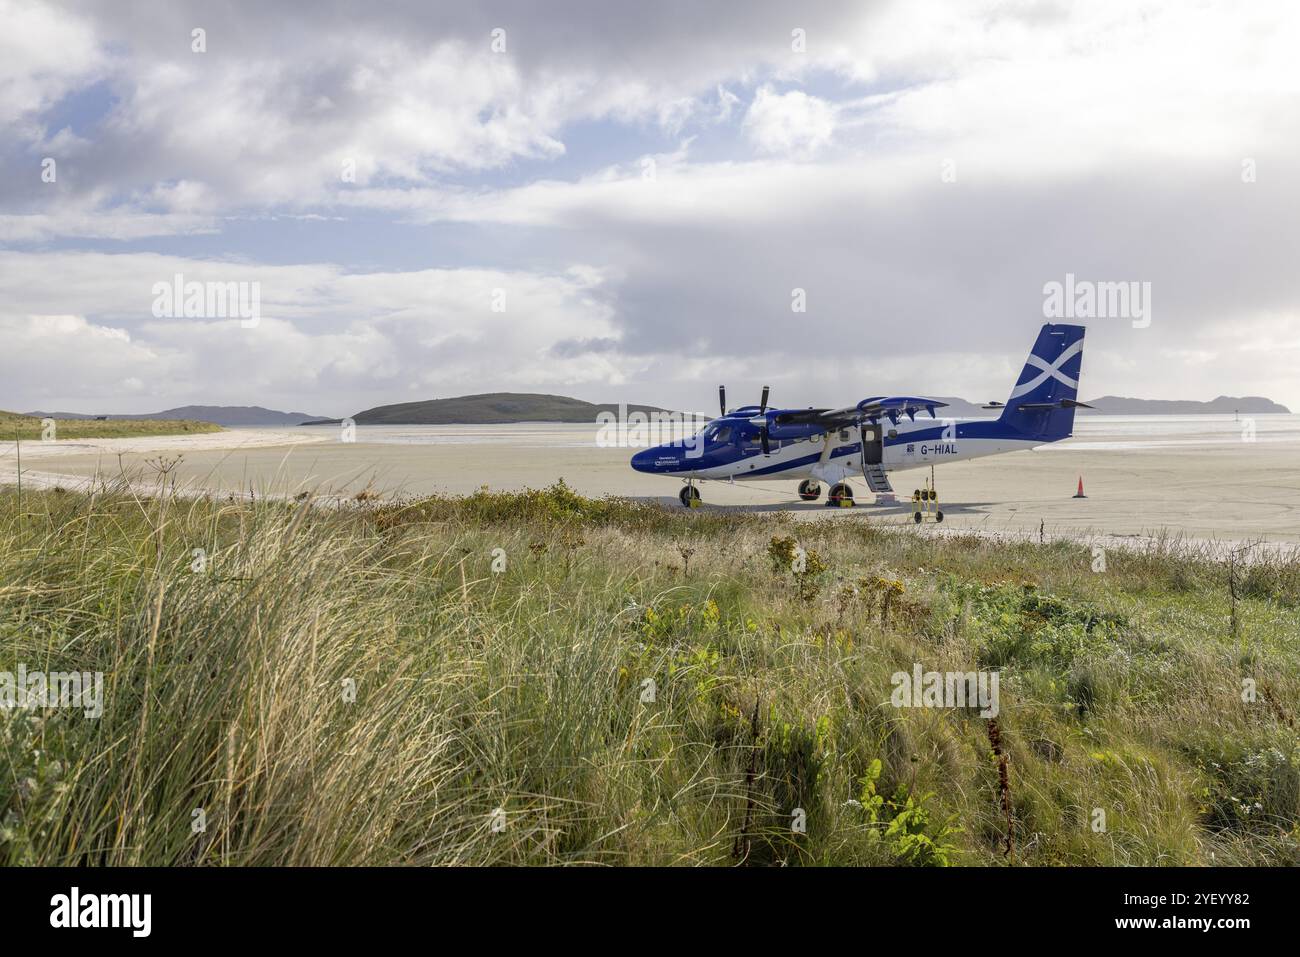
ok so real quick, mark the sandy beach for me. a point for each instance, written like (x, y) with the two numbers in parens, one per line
(1197, 479)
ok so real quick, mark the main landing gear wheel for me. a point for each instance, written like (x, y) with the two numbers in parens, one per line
(840, 494)
(809, 490)
(688, 494)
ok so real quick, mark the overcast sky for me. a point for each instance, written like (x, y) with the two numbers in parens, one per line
(618, 200)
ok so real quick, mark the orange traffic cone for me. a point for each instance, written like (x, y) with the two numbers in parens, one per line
(1079, 494)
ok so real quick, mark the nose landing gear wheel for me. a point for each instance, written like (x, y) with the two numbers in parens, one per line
(840, 494)
(809, 490)
(689, 496)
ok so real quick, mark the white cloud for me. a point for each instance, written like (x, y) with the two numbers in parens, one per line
(259, 123)
(347, 340)
(44, 54)
(727, 101)
(789, 124)
(92, 218)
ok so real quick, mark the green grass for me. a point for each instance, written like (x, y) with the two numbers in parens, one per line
(634, 686)
(29, 428)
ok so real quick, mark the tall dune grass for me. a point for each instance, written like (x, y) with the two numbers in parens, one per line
(546, 679)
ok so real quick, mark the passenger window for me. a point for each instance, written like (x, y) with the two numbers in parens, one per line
(723, 435)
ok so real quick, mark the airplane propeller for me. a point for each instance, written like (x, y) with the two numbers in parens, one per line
(762, 413)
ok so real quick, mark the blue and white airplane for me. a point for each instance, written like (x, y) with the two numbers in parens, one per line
(871, 438)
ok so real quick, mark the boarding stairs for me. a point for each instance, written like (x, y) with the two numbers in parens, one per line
(876, 478)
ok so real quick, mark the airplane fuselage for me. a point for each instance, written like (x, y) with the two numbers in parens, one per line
(907, 445)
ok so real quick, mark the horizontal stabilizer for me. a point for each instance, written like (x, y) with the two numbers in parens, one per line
(1062, 404)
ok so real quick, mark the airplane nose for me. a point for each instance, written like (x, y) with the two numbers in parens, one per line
(643, 461)
(657, 459)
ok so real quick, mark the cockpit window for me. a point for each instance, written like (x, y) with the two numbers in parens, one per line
(716, 434)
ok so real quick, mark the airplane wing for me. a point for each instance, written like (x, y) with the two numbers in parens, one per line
(868, 409)
(827, 417)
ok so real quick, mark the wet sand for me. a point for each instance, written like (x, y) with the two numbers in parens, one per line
(1201, 486)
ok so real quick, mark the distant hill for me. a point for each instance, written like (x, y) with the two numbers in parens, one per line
(491, 408)
(1121, 405)
(1227, 404)
(507, 407)
(231, 416)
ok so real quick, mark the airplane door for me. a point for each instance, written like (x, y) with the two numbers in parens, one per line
(873, 445)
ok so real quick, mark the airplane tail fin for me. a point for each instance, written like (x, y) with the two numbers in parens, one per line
(1046, 394)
